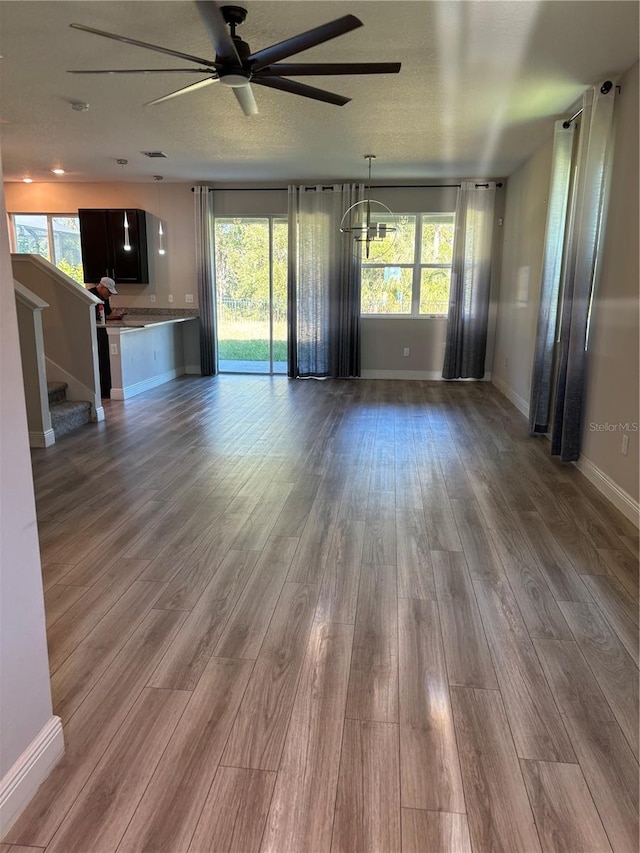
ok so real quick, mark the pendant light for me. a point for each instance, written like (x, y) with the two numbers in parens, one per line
(161, 250)
(127, 242)
(370, 224)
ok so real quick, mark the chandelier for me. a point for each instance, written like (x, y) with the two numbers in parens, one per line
(370, 223)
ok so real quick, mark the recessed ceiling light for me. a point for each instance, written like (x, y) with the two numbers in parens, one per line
(58, 171)
(27, 180)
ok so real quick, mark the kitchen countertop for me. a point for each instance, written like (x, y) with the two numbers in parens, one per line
(142, 321)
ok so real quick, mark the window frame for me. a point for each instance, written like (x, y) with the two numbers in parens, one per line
(13, 237)
(272, 219)
(417, 266)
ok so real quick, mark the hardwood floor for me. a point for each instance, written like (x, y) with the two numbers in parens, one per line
(332, 617)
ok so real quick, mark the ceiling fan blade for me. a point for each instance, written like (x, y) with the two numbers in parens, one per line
(126, 40)
(184, 91)
(302, 69)
(145, 71)
(245, 98)
(301, 89)
(303, 41)
(218, 33)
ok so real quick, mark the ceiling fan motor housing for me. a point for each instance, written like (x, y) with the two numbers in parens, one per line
(233, 76)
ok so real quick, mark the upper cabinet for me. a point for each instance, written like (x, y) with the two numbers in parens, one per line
(108, 248)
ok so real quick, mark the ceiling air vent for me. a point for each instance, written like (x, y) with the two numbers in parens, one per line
(154, 154)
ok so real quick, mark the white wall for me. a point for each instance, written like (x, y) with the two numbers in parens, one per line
(612, 390)
(519, 291)
(25, 693)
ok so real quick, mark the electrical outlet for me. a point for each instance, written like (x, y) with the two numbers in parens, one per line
(114, 349)
(188, 297)
(625, 444)
(406, 351)
(153, 297)
(171, 297)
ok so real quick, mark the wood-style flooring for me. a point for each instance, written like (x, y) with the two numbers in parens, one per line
(333, 617)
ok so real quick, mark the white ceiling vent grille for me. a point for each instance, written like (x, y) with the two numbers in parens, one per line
(154, 154)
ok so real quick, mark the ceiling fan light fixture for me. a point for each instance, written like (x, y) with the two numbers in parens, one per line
(236, 66)
(58, 171)
(235, 79)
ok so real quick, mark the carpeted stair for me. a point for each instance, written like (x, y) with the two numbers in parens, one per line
(66, 415)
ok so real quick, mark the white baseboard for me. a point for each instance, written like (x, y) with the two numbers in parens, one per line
(519, 402)
(99, 414)
(42, 439)
(612, 492)
(401, 374)
(145, 384)
(22, 780)
(416, 374)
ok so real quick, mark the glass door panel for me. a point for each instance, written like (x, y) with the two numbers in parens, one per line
(279, 261)
(251, 296)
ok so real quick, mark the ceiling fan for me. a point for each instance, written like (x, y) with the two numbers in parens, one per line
(237, 67)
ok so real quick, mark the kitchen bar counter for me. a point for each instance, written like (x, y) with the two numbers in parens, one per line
(146, 350)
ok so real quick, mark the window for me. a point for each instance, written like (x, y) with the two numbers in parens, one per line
(56, 238)
(413, 279)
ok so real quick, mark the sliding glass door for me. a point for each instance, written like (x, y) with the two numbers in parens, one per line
(251, 289)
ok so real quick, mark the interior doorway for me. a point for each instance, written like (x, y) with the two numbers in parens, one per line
(251, 293)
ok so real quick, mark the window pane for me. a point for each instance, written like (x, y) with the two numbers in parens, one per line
(437, 238)
(66, 246)
(31, 235)
(242, 288)
(398, 247)
(434, 291)
(386, 290)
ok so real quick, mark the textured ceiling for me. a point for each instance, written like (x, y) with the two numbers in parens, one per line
(479, 84)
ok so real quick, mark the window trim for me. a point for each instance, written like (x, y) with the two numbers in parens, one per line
(417, 266)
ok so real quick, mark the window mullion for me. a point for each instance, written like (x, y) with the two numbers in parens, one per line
(417, 257)
(52, 248)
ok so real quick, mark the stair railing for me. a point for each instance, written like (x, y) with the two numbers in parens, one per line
(68, 328)
(29, 308)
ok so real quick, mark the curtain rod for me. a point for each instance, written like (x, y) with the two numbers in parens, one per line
(374, 187)
(566, 124)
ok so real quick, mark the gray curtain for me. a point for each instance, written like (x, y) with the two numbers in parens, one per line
(470, 282)
(581, 262)
(205, 271)
(323, 284)
(554, 241)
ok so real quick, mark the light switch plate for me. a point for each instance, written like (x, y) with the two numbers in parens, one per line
(171, 297)
(153, 297)
(188, 297)
(114, 349)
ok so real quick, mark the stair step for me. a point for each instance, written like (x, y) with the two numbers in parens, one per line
(57, 392)
(69, 415)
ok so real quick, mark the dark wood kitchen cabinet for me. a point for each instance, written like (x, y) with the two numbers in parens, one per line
(103, 241)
